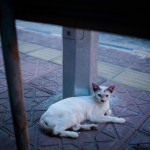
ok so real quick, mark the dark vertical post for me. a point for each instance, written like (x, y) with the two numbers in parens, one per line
(13, 74)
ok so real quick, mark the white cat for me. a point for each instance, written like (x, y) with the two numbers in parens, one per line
(71, 112)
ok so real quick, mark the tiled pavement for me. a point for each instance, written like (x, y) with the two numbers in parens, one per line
(42, 82)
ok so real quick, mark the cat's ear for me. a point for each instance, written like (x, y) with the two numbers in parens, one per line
(95, 87)
(111, 88)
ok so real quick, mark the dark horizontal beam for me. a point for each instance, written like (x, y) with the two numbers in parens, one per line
(125, 19)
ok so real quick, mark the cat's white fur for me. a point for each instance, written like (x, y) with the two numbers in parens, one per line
(71, 112)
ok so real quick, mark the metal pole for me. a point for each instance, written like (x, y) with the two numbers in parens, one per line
(13, 74)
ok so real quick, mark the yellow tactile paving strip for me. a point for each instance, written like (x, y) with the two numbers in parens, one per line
(135, 79)
(46, 53)
(115, 73)
(108, 71)
(26, 47)
(57, 60)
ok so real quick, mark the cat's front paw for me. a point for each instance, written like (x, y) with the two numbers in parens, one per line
(121, 120)
(108, 112)
(75, 135)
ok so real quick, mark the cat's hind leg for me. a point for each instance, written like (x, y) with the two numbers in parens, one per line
(70, 134)
(84, 127)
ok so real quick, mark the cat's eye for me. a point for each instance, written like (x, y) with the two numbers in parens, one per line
(106, 95)
(99, 95)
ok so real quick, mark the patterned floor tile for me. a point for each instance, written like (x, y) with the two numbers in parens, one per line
(122, 130)
(32, 98)
(143, 65)
(3, 136)
(139, 141)
(131, 117)
(51, 100)
(79, 142)
(144, 108)
(3, 84)
(8, 144)
(105, 141)
(33, 134)
(56, 147)
(44, 140)
(146, 126)
(133, 92)
(116, 57)
(1, 58)
(89, 146)
(41, 39)
(145, 96)
(70, 147)
(109, 130)
(32, 68)
(51, 82)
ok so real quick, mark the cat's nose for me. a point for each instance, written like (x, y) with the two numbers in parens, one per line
(102, 101)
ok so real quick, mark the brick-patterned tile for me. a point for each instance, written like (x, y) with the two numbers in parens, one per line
(51, 82)
(145, 96)
(116, 57)
(84, 137)
(44, 140)
(105, 141)
(104, 137)
(90, 146)
(70, 147)
(8, 122)
(122, 130)
(3, 135)
(143, 65)
(3, 84)
(146, 126)
(33, 134)
(8, 144)
(53, 147)
(138, 140)
(32, 68)
(37, 115)
(131, 117)
(145, 108)
(40, 39)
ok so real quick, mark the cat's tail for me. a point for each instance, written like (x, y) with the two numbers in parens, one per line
(45, 127)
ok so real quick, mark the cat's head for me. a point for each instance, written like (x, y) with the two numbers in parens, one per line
(102, 93)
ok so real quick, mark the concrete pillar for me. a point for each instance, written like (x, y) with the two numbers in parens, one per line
(80, 53)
